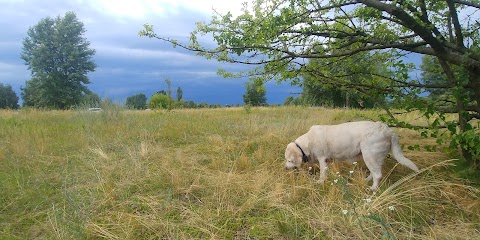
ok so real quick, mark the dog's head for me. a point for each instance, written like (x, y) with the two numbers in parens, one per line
(293, 156)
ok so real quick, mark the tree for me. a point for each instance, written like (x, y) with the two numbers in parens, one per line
(160, 101)
(91, 100)
(162, 92)
(290, 100)
(179, 94)
(59, 58)
(190, 104)
(255, 94)
(278, 36)
(169, 87)
(186, 104)
(8, 97)
(347, 90)
(32, 94)
(138, 101)
(432, 73)
(203, 105)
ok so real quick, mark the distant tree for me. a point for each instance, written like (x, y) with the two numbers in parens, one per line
(179, 94)
(59, 58)
(91, 100)
(289, 101)
(169, 87)
(189, 104)
(348, 89)
(160, 101)
(192, 104)
(255, 94)
(319, 94)
(8, 97)
(138, 101)
(162, 92)
(203, 105)
(185, 104)
(433, 74)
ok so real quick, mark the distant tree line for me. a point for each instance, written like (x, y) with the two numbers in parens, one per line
(161, 100)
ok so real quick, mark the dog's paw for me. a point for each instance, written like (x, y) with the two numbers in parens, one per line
(320, 181)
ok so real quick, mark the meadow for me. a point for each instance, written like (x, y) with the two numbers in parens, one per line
(213, 174)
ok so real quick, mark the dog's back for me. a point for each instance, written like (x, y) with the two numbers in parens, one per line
(343, 141)
(347, 131)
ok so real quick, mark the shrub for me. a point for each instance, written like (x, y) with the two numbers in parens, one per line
(160, 101)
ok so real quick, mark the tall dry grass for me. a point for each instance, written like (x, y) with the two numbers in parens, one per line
(214, 174)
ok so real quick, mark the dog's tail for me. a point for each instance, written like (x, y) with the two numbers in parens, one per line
(398, 155)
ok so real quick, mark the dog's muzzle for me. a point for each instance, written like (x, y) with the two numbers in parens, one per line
(291, 168)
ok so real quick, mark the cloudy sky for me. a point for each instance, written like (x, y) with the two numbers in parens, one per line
(127, 63)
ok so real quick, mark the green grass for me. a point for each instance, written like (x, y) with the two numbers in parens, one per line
(211, 173)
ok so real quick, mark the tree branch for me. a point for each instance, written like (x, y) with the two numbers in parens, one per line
(424, 17)
(407, 21)
(354, 85)
(468, 3)
(456, 24)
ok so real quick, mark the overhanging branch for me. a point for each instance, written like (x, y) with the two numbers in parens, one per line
(468, 3)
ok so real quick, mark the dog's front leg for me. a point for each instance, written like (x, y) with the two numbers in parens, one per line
(323, 169)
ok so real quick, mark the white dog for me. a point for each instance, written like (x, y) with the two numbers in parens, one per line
(352, 141)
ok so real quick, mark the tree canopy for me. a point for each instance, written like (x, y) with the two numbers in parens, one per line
(280, 38)
(91, 100)
(160, 101)
(348, 89)
(179, 94)
(138, 101)
(59, 58)
(255, 94)
(8, 97)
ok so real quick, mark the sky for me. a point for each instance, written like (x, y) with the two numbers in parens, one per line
(126, 63)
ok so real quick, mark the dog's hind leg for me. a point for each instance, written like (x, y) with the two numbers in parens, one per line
(374, 160)
(367, 179)
(375, 173)
(374, 150)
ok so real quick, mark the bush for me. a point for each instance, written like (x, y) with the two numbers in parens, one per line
(160, 101)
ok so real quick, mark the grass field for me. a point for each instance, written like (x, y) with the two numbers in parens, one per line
(212, 174)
